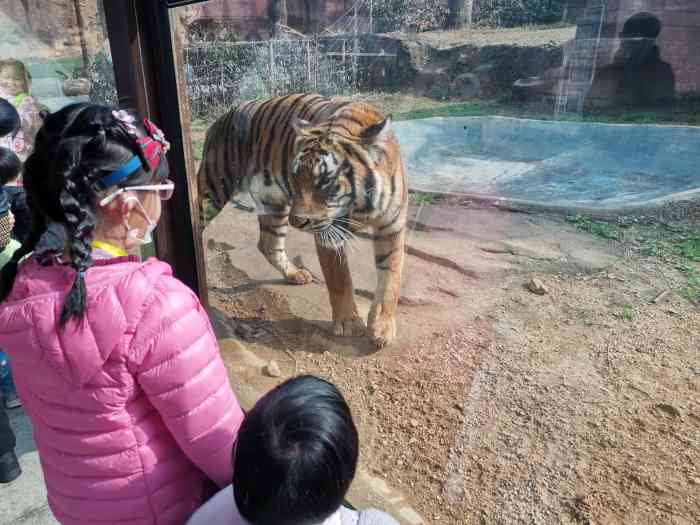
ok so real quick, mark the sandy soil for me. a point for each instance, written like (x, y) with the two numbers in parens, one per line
(578, 406)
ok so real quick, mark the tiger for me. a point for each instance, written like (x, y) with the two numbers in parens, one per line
(329, 167)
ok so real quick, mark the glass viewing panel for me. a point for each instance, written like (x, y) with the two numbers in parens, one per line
(535, 191)
(545, 363)
(53, 54)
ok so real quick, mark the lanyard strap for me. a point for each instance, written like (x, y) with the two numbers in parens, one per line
(114, 251)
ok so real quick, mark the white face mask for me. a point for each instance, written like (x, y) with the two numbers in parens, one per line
(132, 234)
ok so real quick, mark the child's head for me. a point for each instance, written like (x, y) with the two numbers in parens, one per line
(296, 454)
(10, 166)
(10, 122)
(14, 76)
(83, 154)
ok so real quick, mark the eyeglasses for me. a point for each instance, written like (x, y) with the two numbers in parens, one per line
(165, 191)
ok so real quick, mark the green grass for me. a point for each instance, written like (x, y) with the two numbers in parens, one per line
(677, 246)
(40, 68)
(684, 267)
(683, 249)
(208, 211)
(686, 111)
(198, 149)
(200, 125)
(464, 109)
(688, 251)
(598, 228)
(692, 289)
(627, 313)
(690, 248)
(423, 198)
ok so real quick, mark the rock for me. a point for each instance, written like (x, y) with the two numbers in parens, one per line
(413, 422)
(76, 87)
(537, 287)
(694, 481)
(487, 76)
(466, 86)
(272, 369)
(669, 410)
(221, 246)
(247, 332)
(433, 82)
(529, 88)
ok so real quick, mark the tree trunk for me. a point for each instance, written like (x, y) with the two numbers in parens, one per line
(25, 6)
(312, 16)
(277, 14)
(81, 33)
(460, 14)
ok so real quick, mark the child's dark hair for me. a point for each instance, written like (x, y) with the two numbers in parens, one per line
(10, 122)
(10, 166)
(296, 454)
(74, 148)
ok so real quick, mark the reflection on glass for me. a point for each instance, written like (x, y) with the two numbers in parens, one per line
(545, 363)
(53, 54)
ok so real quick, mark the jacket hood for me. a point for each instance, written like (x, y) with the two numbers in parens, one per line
(29, 318)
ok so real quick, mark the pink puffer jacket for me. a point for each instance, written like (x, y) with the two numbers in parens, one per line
(132, 408)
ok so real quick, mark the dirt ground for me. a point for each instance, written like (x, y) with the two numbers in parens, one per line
(521, 36)
(499, 405)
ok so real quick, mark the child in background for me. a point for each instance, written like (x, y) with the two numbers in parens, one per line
(10, 169)
(294, 461)
(15, 85)
(7, 384)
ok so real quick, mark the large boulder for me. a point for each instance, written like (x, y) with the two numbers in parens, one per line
(55, 23)
(468, 70)
(76, 87)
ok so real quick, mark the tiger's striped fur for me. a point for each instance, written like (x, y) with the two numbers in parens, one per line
(329, 167)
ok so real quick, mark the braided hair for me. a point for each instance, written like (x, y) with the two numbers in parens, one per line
(75, 147)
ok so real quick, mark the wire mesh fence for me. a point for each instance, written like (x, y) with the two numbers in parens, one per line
(221, 74)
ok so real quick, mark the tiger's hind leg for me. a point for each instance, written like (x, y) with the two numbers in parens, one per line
(336, 272)
(273, 234)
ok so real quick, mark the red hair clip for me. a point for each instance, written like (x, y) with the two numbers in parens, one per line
(154, 146)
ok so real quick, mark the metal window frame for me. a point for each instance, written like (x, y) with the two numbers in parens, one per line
(180, 3)
(150, 79)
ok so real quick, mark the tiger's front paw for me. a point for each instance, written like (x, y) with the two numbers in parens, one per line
(353, 327)
(299, 276)
(382, 327)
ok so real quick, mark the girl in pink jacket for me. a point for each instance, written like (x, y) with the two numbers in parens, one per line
(114, 359)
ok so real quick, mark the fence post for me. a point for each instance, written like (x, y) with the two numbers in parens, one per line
(345, 64)
(355, 48)
(316, 62)
(308, 61)
(222, 81)
(272, 68)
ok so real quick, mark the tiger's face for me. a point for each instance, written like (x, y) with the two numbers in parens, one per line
(320, 186)
(331, 175)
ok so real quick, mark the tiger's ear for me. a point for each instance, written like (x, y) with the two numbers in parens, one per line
(378, 132)
(301, 126)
